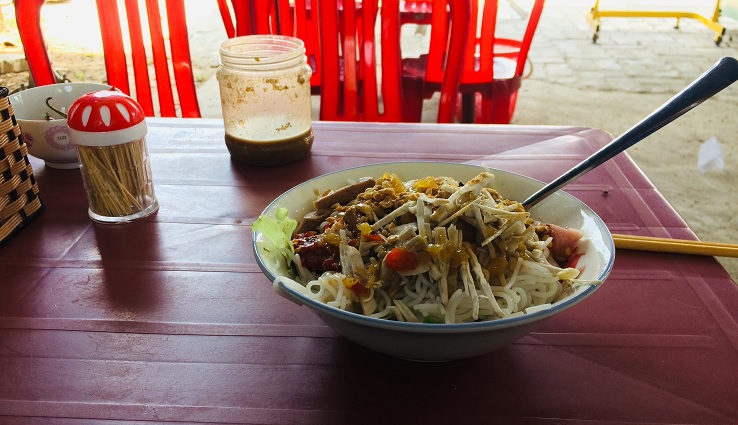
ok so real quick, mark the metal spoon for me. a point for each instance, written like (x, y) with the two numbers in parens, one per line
(721, 75)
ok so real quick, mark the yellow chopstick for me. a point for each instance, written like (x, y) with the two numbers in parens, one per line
(676, 246)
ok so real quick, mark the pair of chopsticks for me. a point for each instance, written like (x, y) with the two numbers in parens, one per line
(676, 246)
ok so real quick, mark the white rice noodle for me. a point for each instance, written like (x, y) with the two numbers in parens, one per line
(369, 304)
(404, 313)
(316, 290)
(509, 302)
(522, 296)
(483, 284)
(537, 254)
(523, 234)
(512, 243)
(392, 216)
(442, 211)
(536, 308)
(330, 289)
(469, 288)
(516, 271)
(422, 287)
(385, 303)
(480, 224)
(340, 298)
(473, 188)
(304, 274)
(402, 228)
(434, 308)
(537, 269)
(456, 215)
(440, 237)
(358, 269)
(420, 213)
(503, 226)
(453, 304)
(575, 283)
(464, 310)
(454, 236)
(502, 213)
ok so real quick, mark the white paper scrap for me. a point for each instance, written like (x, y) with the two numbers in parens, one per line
(710, 156)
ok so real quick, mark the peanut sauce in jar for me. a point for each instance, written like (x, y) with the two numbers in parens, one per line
(272, 152)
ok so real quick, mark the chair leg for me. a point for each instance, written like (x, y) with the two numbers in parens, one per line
(498, 102)
(468, 107)
(493, 107)
(500, 110)
(412, 92)
(485, 109)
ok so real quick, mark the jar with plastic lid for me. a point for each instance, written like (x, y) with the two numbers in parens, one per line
(264, 85)
(109, 130)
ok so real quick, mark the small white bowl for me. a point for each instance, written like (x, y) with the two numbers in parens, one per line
(442, 342)
(50, 140)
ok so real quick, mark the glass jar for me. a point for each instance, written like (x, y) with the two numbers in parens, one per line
(264, 85)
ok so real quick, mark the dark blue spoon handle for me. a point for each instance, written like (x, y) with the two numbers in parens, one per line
(721, 75)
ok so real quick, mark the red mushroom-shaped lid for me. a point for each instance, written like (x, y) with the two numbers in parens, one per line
(105, 112)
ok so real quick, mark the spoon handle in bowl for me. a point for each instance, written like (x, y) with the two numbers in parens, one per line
(719, 76)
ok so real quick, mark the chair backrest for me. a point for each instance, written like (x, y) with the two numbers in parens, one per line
(249, 17)
(28, 16)
(448, 62)
(350, 87)
(493, 66)
(280, 17)
(530, 30)
(483, 46)
(225, 14)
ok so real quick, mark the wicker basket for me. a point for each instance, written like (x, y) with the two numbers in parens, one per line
(19, 198)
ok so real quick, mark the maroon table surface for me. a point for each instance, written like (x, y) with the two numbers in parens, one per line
(169, 319)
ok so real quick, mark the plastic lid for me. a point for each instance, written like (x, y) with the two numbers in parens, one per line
(103, 111)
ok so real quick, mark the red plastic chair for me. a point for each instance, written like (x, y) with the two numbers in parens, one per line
(352, 90)
(225, 14)
(281, 17)
(248, 17)
(28, 14)
(416, 12)
(492, 71)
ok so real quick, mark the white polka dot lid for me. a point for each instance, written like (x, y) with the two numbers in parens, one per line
(106, 118)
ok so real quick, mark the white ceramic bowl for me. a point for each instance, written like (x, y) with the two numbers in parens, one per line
(50, 140)
(441, 342)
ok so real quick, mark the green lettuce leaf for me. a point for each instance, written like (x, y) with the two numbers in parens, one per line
(276, 233)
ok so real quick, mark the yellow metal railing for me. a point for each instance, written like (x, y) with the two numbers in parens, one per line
(596, 14)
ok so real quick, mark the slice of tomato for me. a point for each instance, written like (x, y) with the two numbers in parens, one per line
(400, 259)
(372, 237)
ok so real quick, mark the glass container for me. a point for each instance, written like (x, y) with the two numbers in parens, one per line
(264, 85)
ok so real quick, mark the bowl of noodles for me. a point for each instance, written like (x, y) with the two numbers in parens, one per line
(431, 261)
